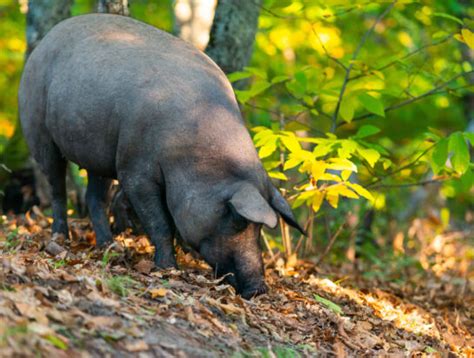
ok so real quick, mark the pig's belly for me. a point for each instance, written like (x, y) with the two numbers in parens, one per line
(90, 146)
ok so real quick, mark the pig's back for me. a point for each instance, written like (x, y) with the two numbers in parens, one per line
(119, 89)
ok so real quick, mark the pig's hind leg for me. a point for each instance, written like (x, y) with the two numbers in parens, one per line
(96, 198)
(54, 165)
(149, 202)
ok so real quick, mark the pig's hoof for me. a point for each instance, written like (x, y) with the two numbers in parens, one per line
(60, 227)
(102, 243)
(166, 264)
(253, 292)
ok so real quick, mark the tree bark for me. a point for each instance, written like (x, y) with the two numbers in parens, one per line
(117, 7)
(42, 16)
(233, 33)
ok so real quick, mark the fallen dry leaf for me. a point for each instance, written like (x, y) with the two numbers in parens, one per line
(158, 292)
(144, 266)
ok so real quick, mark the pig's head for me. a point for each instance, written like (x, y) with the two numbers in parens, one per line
(233, 247)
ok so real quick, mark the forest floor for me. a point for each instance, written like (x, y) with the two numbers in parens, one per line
(67, 299)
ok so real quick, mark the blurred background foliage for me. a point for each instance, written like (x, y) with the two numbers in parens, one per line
(362, 112)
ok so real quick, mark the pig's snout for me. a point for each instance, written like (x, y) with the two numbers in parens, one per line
(250, 274)
(247, 283)
(251, 292)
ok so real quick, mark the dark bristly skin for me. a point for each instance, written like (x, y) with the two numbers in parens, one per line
(125, 100)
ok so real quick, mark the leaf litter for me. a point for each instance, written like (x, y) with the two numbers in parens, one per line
(64, 298)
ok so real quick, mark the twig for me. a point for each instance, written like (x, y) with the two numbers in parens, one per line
(354, 57)
(326, 51)
(422, 154)
(330, 244)
(267, 244)
(406, 185)
(434, 91)
(289, 119)
(408, 55)
(306, 227)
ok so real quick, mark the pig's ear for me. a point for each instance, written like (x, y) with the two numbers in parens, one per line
(250, 204)
(281, 206)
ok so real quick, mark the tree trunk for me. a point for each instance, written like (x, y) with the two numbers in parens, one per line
(42, 16)
(233, 33)
(193, 20)
(117, 7)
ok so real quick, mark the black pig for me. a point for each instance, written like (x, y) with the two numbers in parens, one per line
(125, 100)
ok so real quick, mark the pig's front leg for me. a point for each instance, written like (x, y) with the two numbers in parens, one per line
(96, 198)
(148, 200)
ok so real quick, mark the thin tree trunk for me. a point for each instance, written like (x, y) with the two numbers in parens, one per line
(42, 15)
(233, 33)
(193, 20)
(117, 7)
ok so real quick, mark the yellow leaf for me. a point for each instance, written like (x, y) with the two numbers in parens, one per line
(359, 189)
(348, 147)
(342, 164)
(277, 175)
(468, 37)
(259, 129)
(345, 174)
(333, 199)
(303, 197)
(370, 155)
(342, 190)
(292, 162)
(459, 38)
(329, 72)
(317, 169)
(261, 138)
(329, 176)
(158, 292)
(317, 200)
(267, 150)
(291, 143)
(321, 150)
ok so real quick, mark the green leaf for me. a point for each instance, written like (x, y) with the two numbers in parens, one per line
(370, 155)
(449, 17)
(470, 137)
(366, 131)
(347, 110)
(460, 158)
(279, 79)
(467, 180)
(440, 155)
(372, 104)
(256, 88)
(329, 304)
(430, 350)
(57, 342)
(240, 75)
(300, 77)
(295, 89)
(259, 72)
(294, 126)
